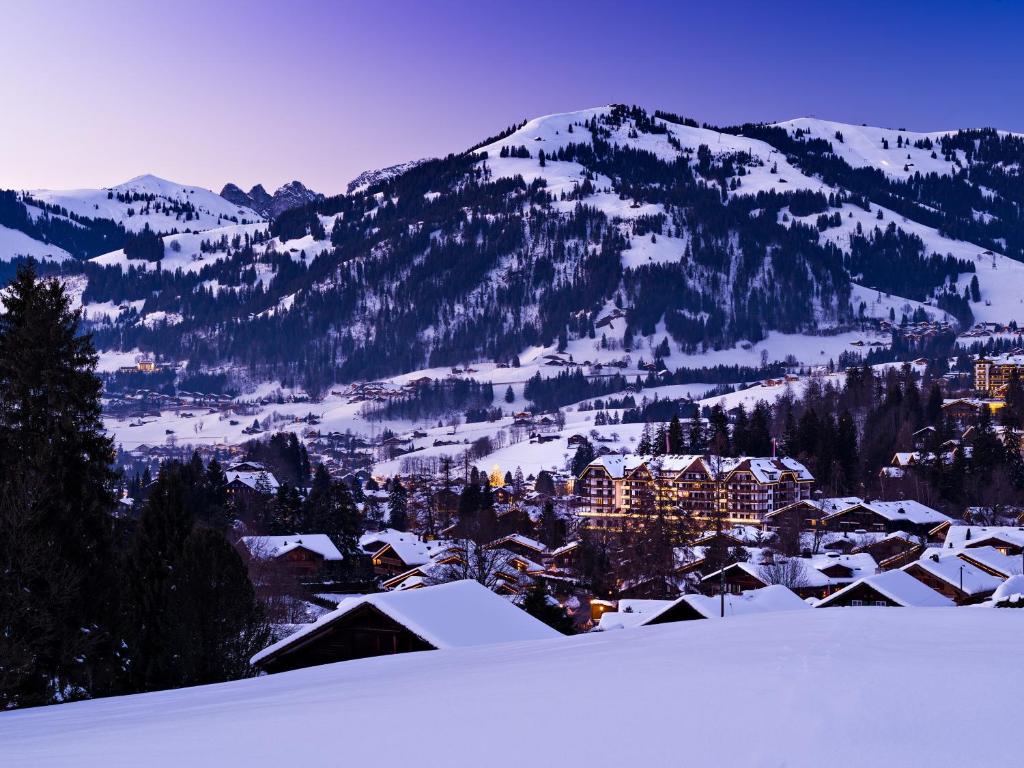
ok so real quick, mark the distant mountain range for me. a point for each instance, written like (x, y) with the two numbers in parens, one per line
(603, 232)
(291, 195)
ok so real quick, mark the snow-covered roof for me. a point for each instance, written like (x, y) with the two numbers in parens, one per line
(454, 615)
(523, 541)
(252, 479)
(772, 598)
(958, 536)
(990, 558)
(1011, 590)
(909, 510)
(899, 586)
(764, 469)
(275, 546)
(956, 572)
(408, 546)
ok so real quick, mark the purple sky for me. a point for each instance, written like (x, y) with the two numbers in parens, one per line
(92, 94)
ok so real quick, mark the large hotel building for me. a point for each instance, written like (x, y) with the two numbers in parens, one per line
(992, 374)
(742, 489)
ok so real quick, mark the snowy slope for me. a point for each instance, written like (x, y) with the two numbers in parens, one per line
(862, 146)
(836, 687)
(14, 243)
(212, 210)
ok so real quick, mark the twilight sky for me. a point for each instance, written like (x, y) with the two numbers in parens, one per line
(93, 93)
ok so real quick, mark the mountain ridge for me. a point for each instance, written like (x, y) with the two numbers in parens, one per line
(697, 237)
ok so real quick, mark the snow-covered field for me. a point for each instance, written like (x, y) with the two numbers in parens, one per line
(830, 687)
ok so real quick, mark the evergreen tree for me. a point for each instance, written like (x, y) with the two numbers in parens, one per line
(676, 443)
(56, 484)
(329, 509)
(218, 624)
(166, 522)
(398, 502)
(584, 455)
(542, 607)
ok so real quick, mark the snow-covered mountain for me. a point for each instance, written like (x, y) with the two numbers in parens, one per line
(56, 225)
(286, 197)
(376, 176)
(603, 233)
(163, 205)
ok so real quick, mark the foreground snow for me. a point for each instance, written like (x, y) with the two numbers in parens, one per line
(824, 687)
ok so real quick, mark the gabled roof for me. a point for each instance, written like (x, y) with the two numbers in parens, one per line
(771, 598)
(958, 536)
(825, 506)
(412, 550)
(764, 469)
(454, 615)
(955, 572)
(990, 559)
(523, 541)
(899, 586)
(252, 479)
(275, 546)
(908, 510)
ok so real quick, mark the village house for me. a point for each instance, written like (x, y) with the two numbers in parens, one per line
(303, 555)
(813, 576)
(886, 516)
(894, 589)
(689, 607)
(949, 575)
(249, 480)
(456, 615)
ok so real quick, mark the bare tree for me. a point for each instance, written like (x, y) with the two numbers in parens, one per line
(787, 571)
(466, 559)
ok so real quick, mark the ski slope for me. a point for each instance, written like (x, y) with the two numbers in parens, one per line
(830, 687)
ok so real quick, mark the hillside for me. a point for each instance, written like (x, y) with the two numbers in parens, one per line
(52, 225)
(816, 687)
(604, 233)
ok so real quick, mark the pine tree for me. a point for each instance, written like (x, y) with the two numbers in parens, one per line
(675, 435)
(164, 526)
(218, 624)
(398, 502)
(584, 455)
(56, 484)
(538, 604)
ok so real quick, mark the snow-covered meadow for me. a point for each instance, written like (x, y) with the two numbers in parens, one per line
(832, 686)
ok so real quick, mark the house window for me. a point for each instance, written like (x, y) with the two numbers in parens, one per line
(880, 603)
(856, 603)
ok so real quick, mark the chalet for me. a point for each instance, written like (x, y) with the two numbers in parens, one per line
(885, 516)
(246, 484)
(400, 553)
(957, 579)
(890, 589)
(566, 557)
(991, 561)
(455, 615)
(813, 576)
(501, 495)
(1007, 539)
(689, 607)
(806, 513)
(575, 440)
(892, 551)
(520, 545)
(303, 555)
